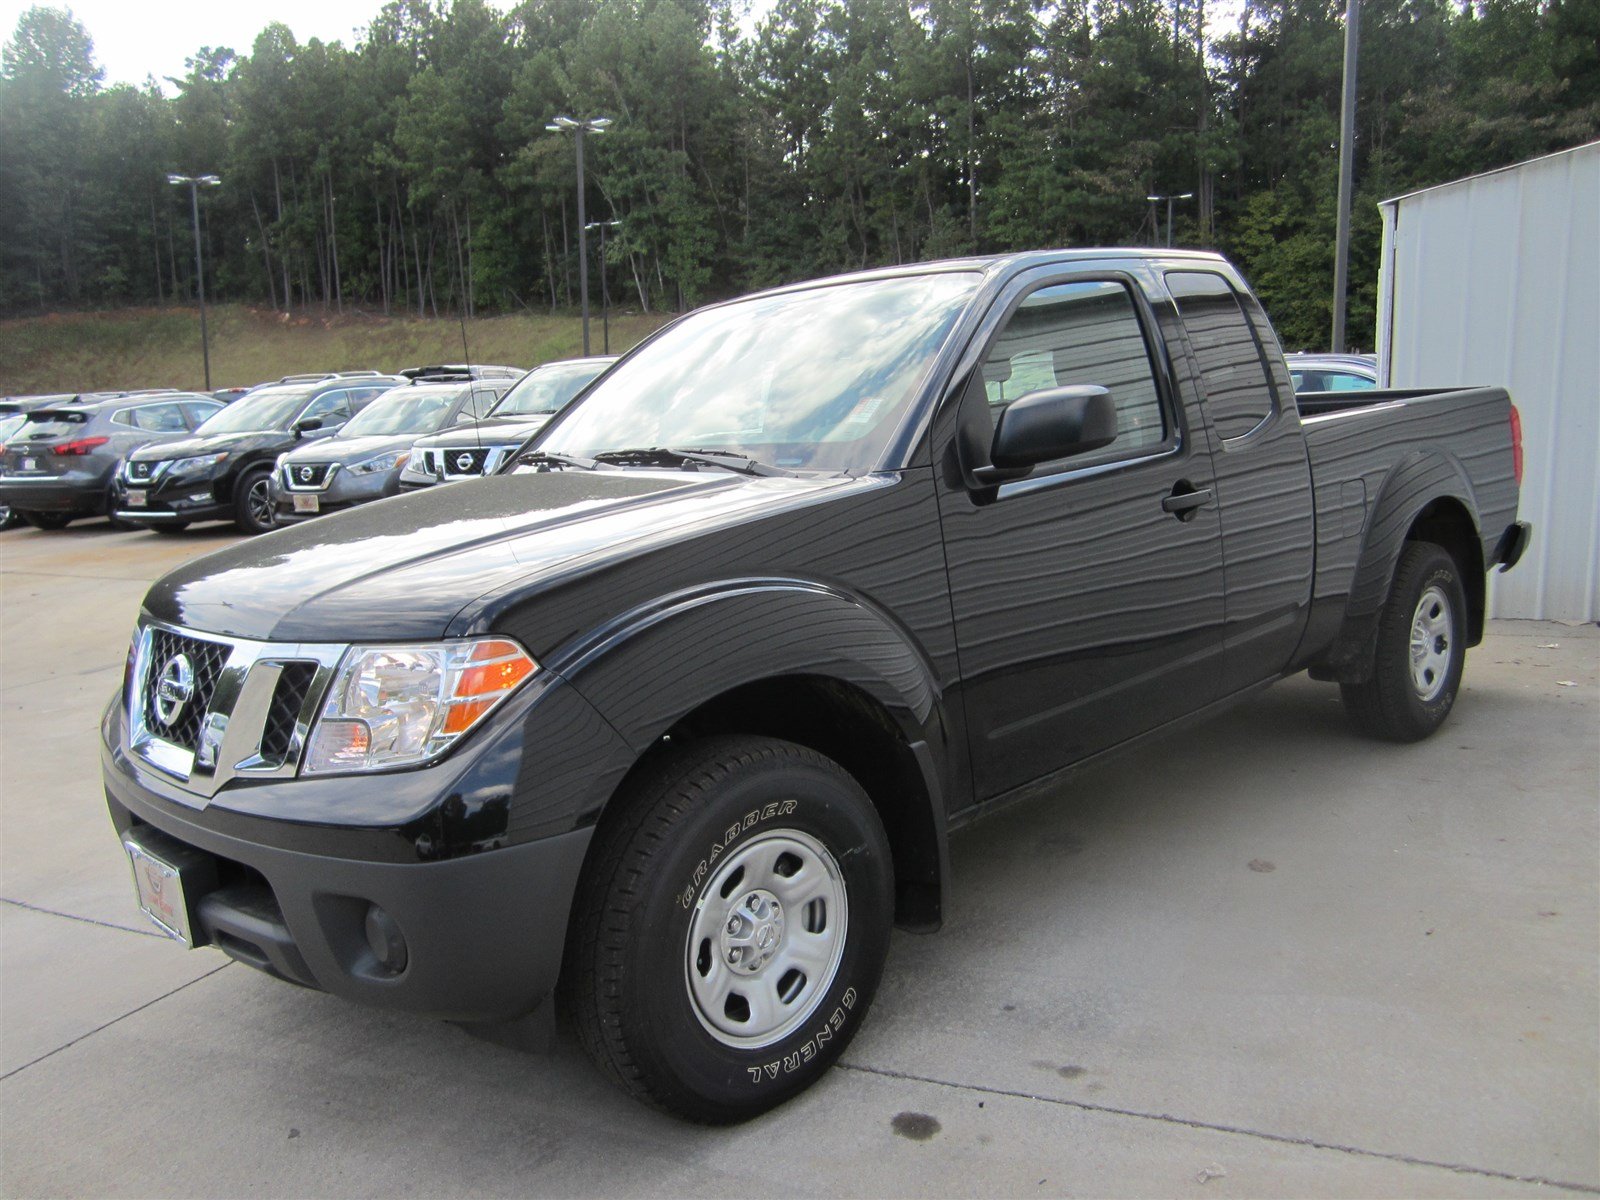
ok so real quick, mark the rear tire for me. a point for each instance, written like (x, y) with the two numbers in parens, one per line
(1421, 650)
(730, 929)
(252, 502)
(46, 520)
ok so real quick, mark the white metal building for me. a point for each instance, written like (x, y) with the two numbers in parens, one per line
(1495, 279)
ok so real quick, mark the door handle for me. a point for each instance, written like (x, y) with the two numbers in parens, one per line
(1185, 500)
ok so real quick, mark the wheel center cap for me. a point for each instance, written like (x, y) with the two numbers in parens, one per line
(753, 931)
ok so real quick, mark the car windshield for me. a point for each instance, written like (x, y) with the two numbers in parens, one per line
(404, 410)
(813, 380)
(268, 408)
(546, 389)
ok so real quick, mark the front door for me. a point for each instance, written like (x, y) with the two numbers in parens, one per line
(1087, 597)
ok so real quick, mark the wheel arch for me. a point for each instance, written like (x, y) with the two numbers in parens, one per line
(798, 660)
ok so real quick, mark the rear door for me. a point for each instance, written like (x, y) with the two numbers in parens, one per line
(1085, 611)
(1263, 478)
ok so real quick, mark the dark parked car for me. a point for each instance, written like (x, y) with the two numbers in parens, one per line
(223, 472)
(61, 464)
(1332, 372)
(364, 459)
(478, 448)
(676, 713)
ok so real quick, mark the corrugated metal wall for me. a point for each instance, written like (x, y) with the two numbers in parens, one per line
(1496, 280)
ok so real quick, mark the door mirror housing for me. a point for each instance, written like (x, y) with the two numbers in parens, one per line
(1046, 425)
(301, 428)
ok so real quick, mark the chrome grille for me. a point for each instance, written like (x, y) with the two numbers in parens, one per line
(231, 708)
(306, 477)
(189, 669)
(463, 462)
(140, 472)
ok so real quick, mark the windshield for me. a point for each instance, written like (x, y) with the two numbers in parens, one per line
(266, 408)
(546, 389)
(816, 379)
(404, 410)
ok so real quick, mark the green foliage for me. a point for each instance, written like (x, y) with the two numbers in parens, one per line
(413, 173)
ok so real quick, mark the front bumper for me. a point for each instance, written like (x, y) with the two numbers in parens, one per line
(345, 490)
(483, 934)
(192, 499)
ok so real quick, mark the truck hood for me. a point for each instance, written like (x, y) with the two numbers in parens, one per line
(426, 565)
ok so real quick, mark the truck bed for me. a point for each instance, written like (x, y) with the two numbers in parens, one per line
(1373, 452)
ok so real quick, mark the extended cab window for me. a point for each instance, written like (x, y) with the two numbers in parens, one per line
(1080, 333)
(1233, 367)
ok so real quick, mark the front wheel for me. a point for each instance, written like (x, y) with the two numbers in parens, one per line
(1420, 652)
(252, 502)
(731, 928)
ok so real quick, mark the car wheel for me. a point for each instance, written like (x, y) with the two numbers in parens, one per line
(252, 502)
(731, 928)
(8, 517)
(1421, 650)
(47, 520)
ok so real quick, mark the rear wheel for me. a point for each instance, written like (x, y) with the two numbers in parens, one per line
(1420, 652)
(731, 928)
(252, 502)
(47, 520)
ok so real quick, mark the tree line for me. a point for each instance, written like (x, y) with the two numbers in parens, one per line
(412, 171)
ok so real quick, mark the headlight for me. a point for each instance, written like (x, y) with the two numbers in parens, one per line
(391, 706)
(200, 462)
(384, 462)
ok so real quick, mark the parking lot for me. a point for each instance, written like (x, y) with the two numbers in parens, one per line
(1259, 958)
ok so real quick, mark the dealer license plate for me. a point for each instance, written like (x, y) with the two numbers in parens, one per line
(306, 504)
(160, 890)
(29, 464)
(138, 499)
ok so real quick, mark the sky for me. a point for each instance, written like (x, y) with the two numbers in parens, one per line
(153, 37)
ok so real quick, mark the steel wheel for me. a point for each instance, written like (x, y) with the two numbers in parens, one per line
(1432, 632)
(765, 940)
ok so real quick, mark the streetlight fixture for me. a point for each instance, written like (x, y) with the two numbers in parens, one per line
(1169, 200)
(605, 288)
(195, 183)
(578, 129)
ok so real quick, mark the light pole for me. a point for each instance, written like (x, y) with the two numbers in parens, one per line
(605, 289)
(195, 183)
(1347, 149)
(1169, 200)
(578, 129)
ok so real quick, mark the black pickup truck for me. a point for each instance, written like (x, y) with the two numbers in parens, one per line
(671, 718)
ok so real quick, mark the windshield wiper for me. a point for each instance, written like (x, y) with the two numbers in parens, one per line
(666, 456)
(544, 458)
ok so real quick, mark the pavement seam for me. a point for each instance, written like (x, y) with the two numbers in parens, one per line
(50, 912)
(131, 1012)
(1216, 1127)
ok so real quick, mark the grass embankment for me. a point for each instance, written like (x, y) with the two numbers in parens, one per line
(142, 348)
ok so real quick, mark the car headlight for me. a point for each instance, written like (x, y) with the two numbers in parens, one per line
(392, 706)
(193, 466)
(384, 462)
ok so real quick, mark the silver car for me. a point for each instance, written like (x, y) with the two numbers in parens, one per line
(364, 459)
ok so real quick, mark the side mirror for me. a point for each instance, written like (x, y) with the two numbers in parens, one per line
(301, 428)
(1047, 425)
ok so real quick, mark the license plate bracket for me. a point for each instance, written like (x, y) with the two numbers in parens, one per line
(169, 880)
(138, 498)
(306, 504)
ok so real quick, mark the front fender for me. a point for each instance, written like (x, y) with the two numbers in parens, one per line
(649, 666)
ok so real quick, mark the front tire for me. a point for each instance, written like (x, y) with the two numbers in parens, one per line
(1421, 650)
(731, 928)
(252, 502)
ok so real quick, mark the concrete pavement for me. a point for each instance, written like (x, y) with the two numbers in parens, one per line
(1260, 958)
